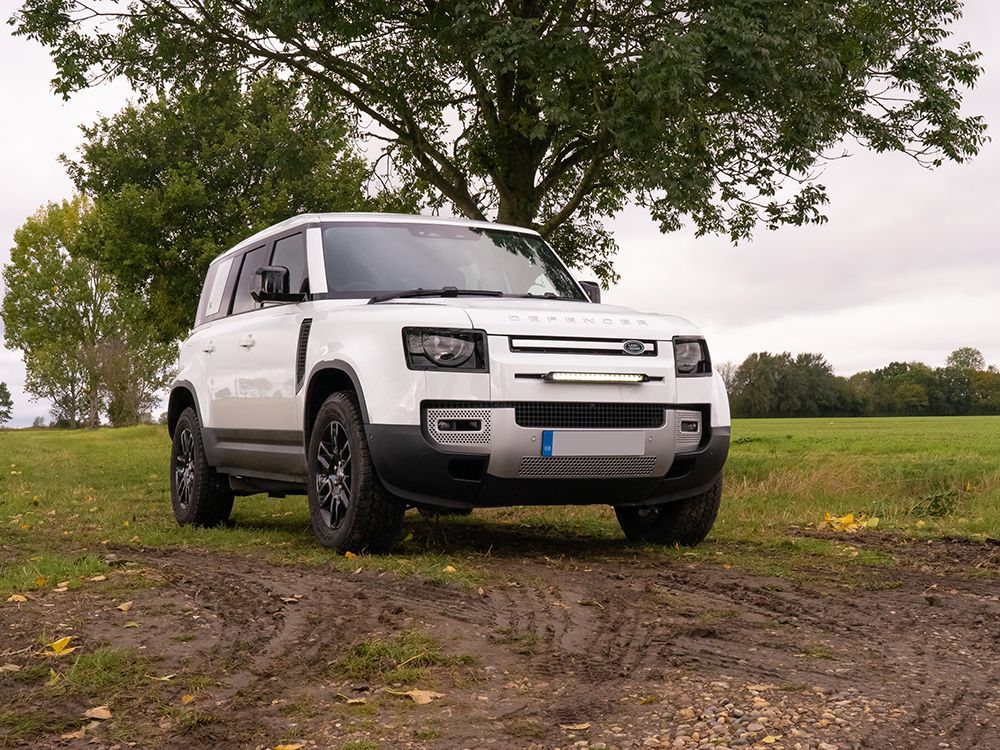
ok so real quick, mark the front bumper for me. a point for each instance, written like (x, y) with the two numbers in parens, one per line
(505, 467)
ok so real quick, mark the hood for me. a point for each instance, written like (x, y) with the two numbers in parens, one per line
(560, 318)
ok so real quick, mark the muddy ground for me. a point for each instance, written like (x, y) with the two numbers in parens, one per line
(573, 644)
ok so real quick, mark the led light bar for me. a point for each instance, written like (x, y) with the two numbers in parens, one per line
(620, 378)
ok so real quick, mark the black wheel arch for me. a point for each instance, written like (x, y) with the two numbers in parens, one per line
(182, 396)
(325, 378)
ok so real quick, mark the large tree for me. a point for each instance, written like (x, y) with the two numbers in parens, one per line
(556, 113)
(72, 324)
(185, 176)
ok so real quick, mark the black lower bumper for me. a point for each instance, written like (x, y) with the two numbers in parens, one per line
(419, 472)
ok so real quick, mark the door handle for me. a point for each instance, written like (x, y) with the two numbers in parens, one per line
(208, 348)
(247, 341)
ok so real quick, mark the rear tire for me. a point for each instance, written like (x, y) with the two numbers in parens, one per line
(686, 522)
(200, 495)
(350, 509)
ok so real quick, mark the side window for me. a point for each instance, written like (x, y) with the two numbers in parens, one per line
(242, 301)
(290, 252)
(211, 295)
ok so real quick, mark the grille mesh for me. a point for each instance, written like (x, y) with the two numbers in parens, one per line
(607, 416)
(593, 467)
(459, 438)
(687, 441)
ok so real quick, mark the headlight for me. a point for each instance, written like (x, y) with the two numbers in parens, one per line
(691, 357)
(456, 349)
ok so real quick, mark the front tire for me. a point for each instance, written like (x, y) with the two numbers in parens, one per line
(686, 522)
(350, 509)
(200, 495)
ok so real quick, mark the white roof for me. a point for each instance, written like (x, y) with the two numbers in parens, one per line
(372, 217)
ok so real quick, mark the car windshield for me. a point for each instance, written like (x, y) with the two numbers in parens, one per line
(369, 259)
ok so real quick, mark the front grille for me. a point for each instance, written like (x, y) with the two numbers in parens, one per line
(614, 347)
(599, 416)
(590, 467)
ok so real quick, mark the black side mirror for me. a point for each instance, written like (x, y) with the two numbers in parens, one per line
(270, 284)
(593, 290)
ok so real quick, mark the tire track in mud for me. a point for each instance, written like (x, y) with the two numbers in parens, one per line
(926, 647)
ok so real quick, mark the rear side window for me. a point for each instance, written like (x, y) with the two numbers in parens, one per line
(242, 301)
(211, 303)
(290, 252)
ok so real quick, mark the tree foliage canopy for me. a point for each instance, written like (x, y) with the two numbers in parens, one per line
(782, 385)
(6, 404)
(554, 114)
(182, 178)
(86, 345)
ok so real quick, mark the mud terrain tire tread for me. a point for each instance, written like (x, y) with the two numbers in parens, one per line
(375, 517)
(685, 522)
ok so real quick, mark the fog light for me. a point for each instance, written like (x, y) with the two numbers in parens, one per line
(689, 425)
(460, 425)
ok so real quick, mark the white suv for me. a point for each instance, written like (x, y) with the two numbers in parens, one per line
(377, 362)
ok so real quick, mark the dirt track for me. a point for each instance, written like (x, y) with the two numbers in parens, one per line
(647, 655)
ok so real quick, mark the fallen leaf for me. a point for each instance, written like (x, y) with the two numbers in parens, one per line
(63, 584)
(125, 606)
(293, 746)
(575, 727)
(10, 668)
(165, 678)
(186, 698)
(771, 739)
(99, 712)
(18, 598)
(727, 566)
(62, 647)
(352, 701)
(131, 624)
(96, 579)
(60, 590)
(77, 735)
(420, 697)
(349, 555)
(449, 569)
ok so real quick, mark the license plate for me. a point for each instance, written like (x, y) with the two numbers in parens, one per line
(604, 443)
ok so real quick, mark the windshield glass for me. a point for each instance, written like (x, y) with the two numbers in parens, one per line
(367, 259)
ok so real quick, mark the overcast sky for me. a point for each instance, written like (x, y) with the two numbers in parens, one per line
(906, 269)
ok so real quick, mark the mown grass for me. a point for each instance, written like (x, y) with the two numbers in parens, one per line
(65, 495)
(401, 658)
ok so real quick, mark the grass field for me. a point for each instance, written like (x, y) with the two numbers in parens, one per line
(67, 491)
(222, 641)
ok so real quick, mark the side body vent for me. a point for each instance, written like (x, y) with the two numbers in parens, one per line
(300, 353)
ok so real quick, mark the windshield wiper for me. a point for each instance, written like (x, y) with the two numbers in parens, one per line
(446, 291)
(546, 295)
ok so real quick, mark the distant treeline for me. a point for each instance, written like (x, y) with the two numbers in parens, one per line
(804, 385)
